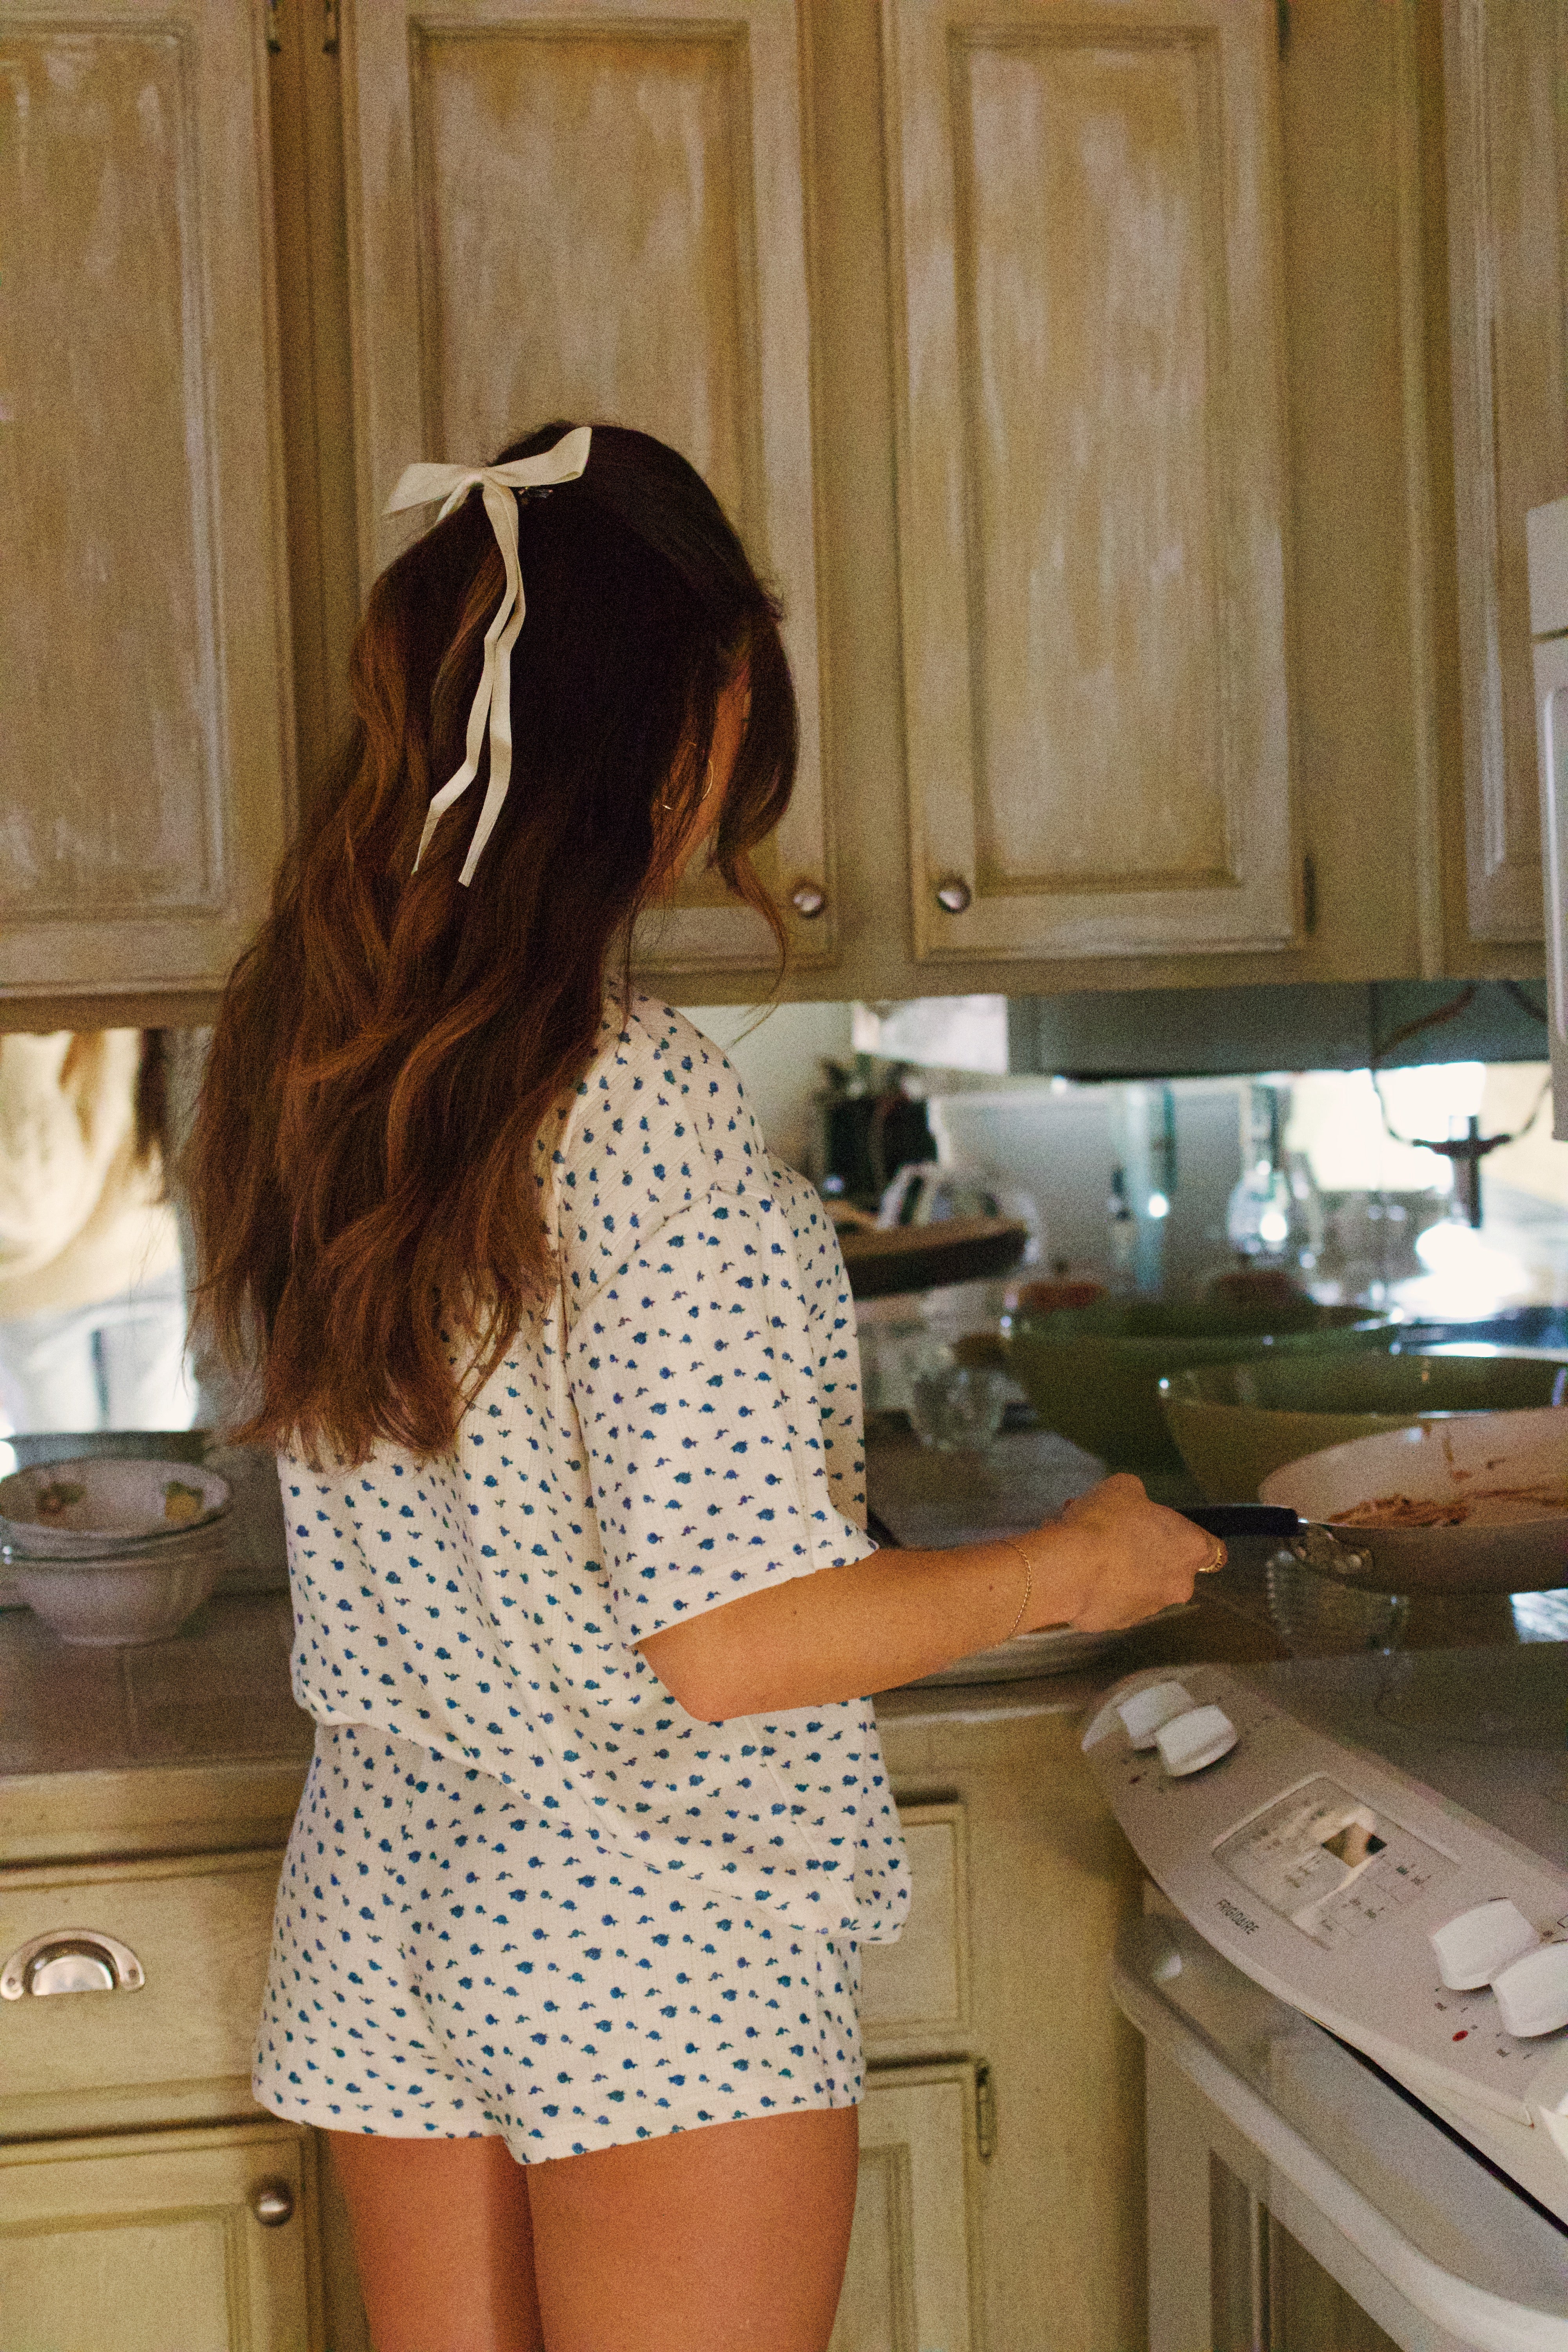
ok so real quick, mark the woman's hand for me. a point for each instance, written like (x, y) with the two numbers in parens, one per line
(1133, 1558)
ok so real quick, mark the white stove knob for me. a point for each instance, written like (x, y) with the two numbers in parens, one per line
(1190, 1741)
(1473, 1945)
(1532, 1994)
(1147, 1710)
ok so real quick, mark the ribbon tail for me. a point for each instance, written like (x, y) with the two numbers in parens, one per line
(502, 510)
(500, 779)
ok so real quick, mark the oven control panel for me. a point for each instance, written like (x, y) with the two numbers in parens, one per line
(1415, 1931)
(1332, 1863)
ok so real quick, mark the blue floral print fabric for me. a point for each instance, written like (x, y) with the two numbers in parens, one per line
(430, 1980)
(678, 1425)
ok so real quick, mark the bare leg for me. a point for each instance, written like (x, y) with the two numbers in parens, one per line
(441, 2231)
(709, 2240)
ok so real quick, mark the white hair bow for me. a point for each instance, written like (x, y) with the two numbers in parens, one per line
(419, 486)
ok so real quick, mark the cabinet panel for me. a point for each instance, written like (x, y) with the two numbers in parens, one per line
(177, 2049)
(1086, 205)
(142, 602)
(1061, 2257)
(152, 2242)
(585, 208)
(1504, 63)
(907, 2285)
(918, 1989)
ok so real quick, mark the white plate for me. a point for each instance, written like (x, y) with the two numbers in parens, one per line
(1054, 1650)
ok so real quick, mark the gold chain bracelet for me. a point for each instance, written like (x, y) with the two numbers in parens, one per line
(1028, 1582)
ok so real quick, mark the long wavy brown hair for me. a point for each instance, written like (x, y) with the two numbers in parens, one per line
(360, 1176)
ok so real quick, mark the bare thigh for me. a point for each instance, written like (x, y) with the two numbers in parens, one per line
(442, 2239)
(708, 2241)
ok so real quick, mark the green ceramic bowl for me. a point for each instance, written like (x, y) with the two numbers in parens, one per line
(1235, 1423)
(1093, 1373)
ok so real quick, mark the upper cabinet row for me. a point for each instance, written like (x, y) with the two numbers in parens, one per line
(1135, 401)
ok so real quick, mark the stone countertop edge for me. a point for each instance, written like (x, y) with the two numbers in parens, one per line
(196, 1743)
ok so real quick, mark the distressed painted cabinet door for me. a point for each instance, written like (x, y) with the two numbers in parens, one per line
(907, 2285)
(594, 208)
(1505, 67)
(1086, 208)
(155, 2241)
(146, 739)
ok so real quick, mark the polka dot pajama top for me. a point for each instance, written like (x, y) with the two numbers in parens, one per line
(526, 1892)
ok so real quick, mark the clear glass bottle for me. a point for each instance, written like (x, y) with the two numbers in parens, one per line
(1274, 1216)
(1121, 1240)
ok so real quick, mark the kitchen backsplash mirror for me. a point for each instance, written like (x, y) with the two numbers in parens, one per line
(1146, 1184)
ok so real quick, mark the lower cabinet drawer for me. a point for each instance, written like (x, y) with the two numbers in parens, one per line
(173, 2043)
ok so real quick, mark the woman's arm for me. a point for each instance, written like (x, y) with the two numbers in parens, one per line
(1112, 1559)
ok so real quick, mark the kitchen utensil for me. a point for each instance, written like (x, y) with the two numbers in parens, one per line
(958, 1410)
(25, 1449)
(927, 1257)
(97, 1504)
(1432, 1462)
(1322, 1616)
(1093, 1372)
(1235, 1423)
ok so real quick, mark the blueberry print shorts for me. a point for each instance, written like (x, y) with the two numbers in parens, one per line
(441, 1969)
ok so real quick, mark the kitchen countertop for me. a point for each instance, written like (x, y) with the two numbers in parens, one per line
(197, 1742)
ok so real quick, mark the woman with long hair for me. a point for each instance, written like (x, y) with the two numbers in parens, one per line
(561, 1371)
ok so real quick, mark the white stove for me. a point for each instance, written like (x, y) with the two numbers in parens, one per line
(1381, 1845)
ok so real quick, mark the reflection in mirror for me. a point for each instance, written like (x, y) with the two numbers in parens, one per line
(92, 1281)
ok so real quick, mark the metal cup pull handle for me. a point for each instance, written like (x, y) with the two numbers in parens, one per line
(70, 1959)
(273, 2204)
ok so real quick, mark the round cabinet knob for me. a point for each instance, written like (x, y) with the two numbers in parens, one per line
(1473, 1945)
(1532, 1993)
(954, 896)
(808, 899)
(273, 2204)
(1190, 1742)
(1147, 1710)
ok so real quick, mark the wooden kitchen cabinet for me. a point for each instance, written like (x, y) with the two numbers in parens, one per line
(1117, 524)
(1088, 303)
(1505, 65)
(1037, 1878)
(147, 749)
(596, 209)
(1001, 2200)
(191, 2239)
(1371, 694)
(910, 2279)
(146, 2202)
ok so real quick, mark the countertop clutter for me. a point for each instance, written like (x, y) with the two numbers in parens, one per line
(217, 1694)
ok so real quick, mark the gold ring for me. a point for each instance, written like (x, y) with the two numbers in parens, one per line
(1216, 1561)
